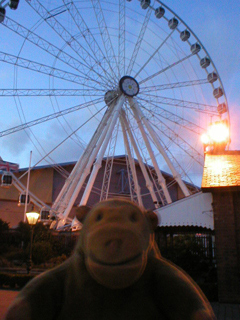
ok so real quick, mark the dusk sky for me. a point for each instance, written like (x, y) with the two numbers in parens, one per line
(216, 25)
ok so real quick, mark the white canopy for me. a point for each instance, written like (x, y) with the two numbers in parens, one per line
(195, 210)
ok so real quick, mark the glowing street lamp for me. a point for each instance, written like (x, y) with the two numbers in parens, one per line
(219, 132)
(217, 137)
(32, 218)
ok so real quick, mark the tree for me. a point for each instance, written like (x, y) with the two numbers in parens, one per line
(4, 226)
(42, 233)
(24, 230)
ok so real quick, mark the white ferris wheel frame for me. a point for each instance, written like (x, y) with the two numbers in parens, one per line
(115, 111)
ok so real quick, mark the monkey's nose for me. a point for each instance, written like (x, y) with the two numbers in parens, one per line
(113, 245)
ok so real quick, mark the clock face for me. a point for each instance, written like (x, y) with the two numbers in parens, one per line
(129, 86)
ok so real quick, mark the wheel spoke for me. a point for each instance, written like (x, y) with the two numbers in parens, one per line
(154, 53)
(160, 148)
(149, 183)
(93, 45)
(139, 42)
(173, 85)
(179, 142)
(105, 35)
(121, 41)
(51, 92)
(68, 137)
(83, 166)
(68, 38)
(165, 69)
(45, 69)
(32, 37)
(156, 110)
(199, 107)
(132, 174)
(160, 198)
(49, 117)
(109, 163)
(161, 180)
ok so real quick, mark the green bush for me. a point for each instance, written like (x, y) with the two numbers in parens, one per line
(42, 233)
(15, 254)
(24, 231)
(187, 252)
(53, 262)
(5, 263)
(4, 226)
(4, 248)
(41, 252)
(58, 260)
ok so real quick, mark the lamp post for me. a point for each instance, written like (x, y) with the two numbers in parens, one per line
(32, 218)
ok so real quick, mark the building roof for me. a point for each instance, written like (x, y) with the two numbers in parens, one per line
(221, 171)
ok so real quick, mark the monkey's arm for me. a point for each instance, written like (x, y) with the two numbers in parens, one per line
(178, 295)
(41, 297)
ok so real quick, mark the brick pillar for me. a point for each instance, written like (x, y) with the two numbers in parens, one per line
(226, 207)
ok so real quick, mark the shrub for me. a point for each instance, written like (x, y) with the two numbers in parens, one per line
(15, 254)
(4, 263)
(14, 280)
(4, 226)
(41, 252)
(24, 230)
(53, 262)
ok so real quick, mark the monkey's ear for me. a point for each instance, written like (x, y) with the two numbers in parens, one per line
(153, 218)
(81, 213)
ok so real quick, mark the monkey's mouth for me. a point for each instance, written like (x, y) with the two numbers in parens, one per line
(114, 264)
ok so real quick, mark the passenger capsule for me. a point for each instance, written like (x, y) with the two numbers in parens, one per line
(2, 14)
(13, 4)
(222, 108)
(212, 77)
(185, 35)
(205, 62)
(173, 23)
(22, 199)
(145, 3)
(6, 180)
(159, 12)
(44, 214)
(195, 48)
(218, 92)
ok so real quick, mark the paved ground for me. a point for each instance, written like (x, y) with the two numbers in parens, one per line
(222, 311)
(226, 311)
(6, 297)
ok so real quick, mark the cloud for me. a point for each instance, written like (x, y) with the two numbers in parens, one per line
(15, 143)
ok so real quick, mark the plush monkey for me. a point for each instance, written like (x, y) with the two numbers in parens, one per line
(116, 272)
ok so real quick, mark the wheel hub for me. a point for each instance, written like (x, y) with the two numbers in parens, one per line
(129, 86)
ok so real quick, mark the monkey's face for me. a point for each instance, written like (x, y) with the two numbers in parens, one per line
(115, 244)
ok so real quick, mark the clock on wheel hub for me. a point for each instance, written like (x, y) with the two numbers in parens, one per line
(129, 86)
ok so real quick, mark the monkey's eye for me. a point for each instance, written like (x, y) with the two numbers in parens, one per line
(133, 217)
(99, 216)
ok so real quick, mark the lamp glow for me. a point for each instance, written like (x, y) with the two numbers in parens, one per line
(32, 217)
(218, 132)
(205, 138)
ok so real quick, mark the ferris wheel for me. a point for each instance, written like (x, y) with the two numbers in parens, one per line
(93, 79)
